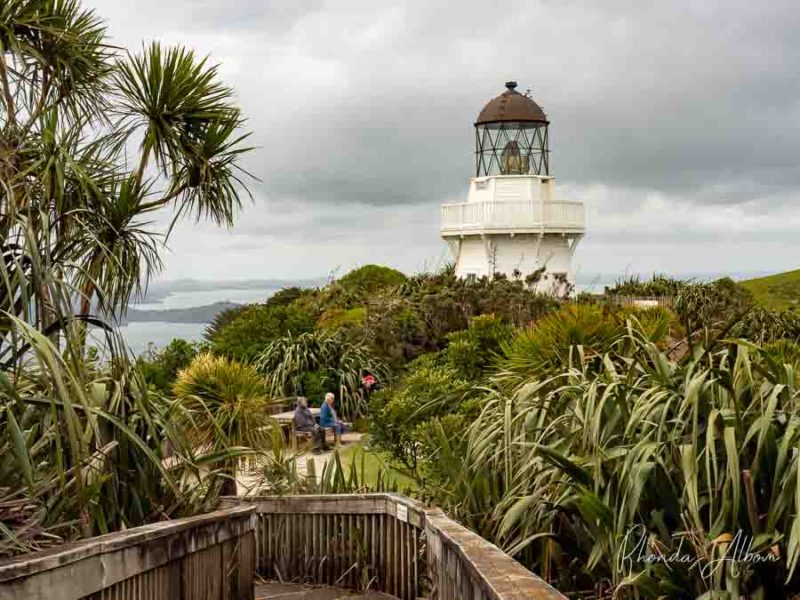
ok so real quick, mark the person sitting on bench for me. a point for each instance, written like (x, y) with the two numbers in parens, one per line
(304, 423)
(328, 418)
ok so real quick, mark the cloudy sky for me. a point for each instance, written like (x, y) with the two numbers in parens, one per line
(677, 123)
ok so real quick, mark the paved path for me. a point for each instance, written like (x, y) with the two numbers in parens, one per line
(295, 591)
(249, 482)
(319, 460)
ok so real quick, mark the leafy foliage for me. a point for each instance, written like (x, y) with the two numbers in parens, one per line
(84, 443)
(371, 278)
(437, 387)
(576, 335)
(160, 367)
(256, 326)
(657, 285)
(339, 363)
(221, 404)
(418, 316)
(562, 466)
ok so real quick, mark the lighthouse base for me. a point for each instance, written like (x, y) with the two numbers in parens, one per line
(543, 260)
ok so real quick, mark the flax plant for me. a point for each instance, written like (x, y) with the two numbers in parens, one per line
(570, 466)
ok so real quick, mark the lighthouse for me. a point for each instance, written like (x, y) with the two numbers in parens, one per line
(512, 222)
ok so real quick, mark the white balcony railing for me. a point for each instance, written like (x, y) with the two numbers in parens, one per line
(512, 216)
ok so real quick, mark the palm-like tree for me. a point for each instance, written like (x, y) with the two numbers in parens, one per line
(82, 444)
(77, 113)
(223, 407)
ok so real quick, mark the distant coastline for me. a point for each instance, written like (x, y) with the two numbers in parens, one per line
(196, 293)
(194, 314)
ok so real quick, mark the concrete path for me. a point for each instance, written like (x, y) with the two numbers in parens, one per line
(249, 482)
(319, 460)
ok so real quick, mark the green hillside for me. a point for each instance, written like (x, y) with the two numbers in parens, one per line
(780, 291)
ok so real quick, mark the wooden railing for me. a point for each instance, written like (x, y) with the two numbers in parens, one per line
(502, 215)
(351, 540)
(384, 542)
(209, 557)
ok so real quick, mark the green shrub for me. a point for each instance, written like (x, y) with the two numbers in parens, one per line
(471, 352)
(397, 331)
(371, 278)
(286, 296)
(159, 367)
(430, 389)
(338, 318)
(258, 325)
(420, 315)
(436, 385)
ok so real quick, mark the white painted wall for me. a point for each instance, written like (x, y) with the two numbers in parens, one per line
(484, 250)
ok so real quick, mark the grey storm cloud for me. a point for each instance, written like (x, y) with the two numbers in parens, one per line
(377, 102)
(361, 107)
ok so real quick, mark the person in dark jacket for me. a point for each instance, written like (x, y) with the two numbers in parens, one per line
(304, 422)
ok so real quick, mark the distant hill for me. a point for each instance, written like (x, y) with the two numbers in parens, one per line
(195, 314)
(158, 290)
(780, 291)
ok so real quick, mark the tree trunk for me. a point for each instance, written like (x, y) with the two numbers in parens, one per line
(229, 482)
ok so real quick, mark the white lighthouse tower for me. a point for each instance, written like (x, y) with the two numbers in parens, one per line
(512, 222)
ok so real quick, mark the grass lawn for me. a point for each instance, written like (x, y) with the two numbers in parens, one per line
(373, 461)
(781, 291)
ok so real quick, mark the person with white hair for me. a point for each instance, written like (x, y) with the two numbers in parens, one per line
(328, 418)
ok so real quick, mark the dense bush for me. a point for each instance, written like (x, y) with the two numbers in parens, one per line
(562, 469)
(371, 278)
(764, 326)
(257, 325)
(419, 316)
(159, 367)
(436, 385)
(430, 389)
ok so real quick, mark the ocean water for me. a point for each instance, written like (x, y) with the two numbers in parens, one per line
(142, 335)
(205, 297)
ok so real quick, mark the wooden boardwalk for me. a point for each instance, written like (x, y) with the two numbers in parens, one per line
(296, 591)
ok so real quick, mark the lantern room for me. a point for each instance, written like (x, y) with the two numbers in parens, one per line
(511, 136)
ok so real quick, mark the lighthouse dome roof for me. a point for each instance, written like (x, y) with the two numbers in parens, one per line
(511, 106)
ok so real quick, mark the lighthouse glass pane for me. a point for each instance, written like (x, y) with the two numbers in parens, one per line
(511, 148)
